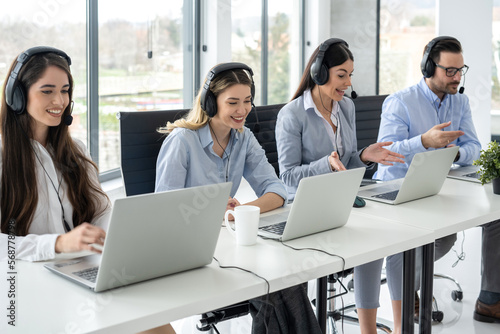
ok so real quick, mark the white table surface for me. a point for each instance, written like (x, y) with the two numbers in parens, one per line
(48, 303)
(458, 206)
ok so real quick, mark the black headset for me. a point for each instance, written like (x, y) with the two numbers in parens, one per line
(427, 65)
(208, 101)
(15, 92)
(319, 70)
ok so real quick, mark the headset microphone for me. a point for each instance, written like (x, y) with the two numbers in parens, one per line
(462, 89)
(68, 119)
(353, 93)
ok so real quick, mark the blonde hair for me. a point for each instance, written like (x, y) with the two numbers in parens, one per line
(197, 118)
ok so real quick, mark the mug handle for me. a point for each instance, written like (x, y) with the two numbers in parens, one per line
(226, 222)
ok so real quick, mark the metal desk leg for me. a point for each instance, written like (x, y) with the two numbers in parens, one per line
(321, 300)
(408, 303)
(426, 278)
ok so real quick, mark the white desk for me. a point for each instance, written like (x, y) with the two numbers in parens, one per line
(458, 206)
(50, 304)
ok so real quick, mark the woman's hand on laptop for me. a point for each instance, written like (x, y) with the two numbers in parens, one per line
(378, 154)
(80, 238)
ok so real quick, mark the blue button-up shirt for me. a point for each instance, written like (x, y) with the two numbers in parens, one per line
(187, 159)
(304, 145)
(409, 113)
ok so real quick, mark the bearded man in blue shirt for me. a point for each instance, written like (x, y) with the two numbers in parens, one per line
(431, 115)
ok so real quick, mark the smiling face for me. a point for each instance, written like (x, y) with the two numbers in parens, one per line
(339, 80)
(48, 97)
(441, 84)
(233, 106)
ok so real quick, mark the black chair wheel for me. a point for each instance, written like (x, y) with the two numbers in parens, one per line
(457, 295)
(350, 285)
(437, 316)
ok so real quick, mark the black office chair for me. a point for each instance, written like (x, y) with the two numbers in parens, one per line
(140, 143)
(264, 130)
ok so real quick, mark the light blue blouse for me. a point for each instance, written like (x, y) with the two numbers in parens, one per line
(409, 113)
(304, 145)
(187, 159)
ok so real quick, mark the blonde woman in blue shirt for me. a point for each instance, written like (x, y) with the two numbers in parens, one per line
(316, 134)
(211, 145)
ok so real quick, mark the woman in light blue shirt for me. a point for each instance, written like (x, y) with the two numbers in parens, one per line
(211, 145)
(316, 134)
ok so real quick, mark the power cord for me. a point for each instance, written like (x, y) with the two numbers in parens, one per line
(266, 302)
(341, 276)
(461, 256)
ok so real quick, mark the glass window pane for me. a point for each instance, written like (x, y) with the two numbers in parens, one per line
(405, 28)
(495, 89)
(140, 64)
(281, 40)
(29, 23)
(246, 38)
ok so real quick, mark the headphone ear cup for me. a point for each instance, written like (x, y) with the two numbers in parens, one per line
(429, 69)
(322, 75)
(18, 100)
(210, 104)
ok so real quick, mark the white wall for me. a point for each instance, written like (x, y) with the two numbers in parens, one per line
(471, 23)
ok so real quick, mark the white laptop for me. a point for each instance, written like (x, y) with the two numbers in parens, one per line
(425, 177)
(466, 173)
(153, 235)
(322, 202)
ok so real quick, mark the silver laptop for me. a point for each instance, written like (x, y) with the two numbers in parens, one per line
(425, 177)
(466, 173)
(322, 202)
(153, 235)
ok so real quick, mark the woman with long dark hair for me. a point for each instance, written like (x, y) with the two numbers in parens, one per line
(316, 134)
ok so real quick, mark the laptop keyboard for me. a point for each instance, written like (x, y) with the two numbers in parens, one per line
(473, 175)
(275, 229)
(89, 274)
(391, 195)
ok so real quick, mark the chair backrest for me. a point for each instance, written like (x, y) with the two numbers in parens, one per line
(368, 111)
(140, 143)
(265, 135)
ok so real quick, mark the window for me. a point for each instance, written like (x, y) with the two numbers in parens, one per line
(495, 89)
(140, 65)
(60, 24)
(270, 49)
(405, 28)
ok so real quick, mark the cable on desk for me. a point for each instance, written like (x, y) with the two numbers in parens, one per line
(327, 253)
(266, 302)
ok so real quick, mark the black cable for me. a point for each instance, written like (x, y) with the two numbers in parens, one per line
(309, 248)
(223, 150)
(266, 302)
(325, 252)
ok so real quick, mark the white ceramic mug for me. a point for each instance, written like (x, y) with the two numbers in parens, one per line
(246, 223)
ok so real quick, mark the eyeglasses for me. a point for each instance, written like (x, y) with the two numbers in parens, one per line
(451, 71)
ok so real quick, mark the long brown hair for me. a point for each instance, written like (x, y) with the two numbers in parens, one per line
(337, 54)
(18, 180)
